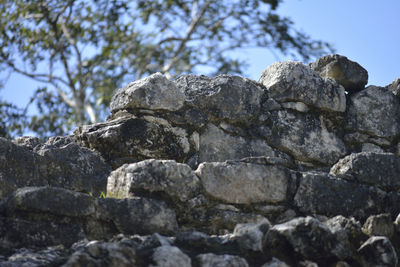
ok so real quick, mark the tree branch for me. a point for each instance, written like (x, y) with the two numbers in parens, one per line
(90, 111)
(37, 76)
(191, 28)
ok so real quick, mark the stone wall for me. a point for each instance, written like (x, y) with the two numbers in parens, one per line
(298, 169)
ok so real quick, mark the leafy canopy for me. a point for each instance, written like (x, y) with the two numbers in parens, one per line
(82, 50)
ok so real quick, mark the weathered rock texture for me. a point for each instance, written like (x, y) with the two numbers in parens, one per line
(222, 171)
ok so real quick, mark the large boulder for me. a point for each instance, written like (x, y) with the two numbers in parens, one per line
(73, 167)
(348, 231)
(98, 253)
(170, 256)
(52, 200)
(294, 81)
(378, 251)
(45, 216)
(377, 169)
(175, 179)
(217, 145)
(307, 237)
(155, 92)
(223, 97)
(374, 111)
(130, 139)
(320, 193)
(345, 72)
(137, 215)
(306, 136)
(62, 164)
(19, 167)
(379, 225)
(244, 183)
(250, 235)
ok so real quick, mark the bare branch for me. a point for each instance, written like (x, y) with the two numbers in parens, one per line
(191, 28)
(90, 111)
(66, 99)
(37, 76)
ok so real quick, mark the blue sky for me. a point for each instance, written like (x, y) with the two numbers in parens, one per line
(366, 31)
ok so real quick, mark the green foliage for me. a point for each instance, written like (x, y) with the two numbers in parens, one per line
(11, 120)
(82, 50)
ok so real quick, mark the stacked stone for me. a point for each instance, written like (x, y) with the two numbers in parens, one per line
(298, 169)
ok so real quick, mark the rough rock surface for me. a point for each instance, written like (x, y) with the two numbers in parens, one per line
(374, 111)
(307, 237)
(345, 72)
(223, 97)
(130, 139)
(367, 168)
(305, 136)
(394, 87)
(154, 92)
(379, 225)
(217, 145)
(58, 162)
(290, 80)
(214, 171)
(320, 193)
(378, 251)
(176, 179)
(244, 183)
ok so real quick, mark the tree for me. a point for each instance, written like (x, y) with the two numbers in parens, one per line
(82, 50)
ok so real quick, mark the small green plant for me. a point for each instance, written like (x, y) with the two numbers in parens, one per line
(117, 195)
(102, 194)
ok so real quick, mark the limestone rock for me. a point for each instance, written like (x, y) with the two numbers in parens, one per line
(250, 235)
(53, 200)
(377, 169)
(130, 139)
(68, 166)
(28, 142)
(369, 147)
(274, 262)
(293, 81)
(210, 259)
(44, 216)
(378, 251)
(397, 223)
(244, 183)
(374, 111)
(345, 72)
(217, 145)
(98, 253)
(137, 215)
(19, 167)
(320, 193)
(305, 136)
(394, 87)
(379, 225)
(73, 167)
(175, 179)
(154, 92)
(305, 236)
(348, 232)
(51, 256)
(223, 97)
(198, 241)
(170, 256)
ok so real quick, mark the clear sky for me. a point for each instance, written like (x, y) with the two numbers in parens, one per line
(366, 31)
